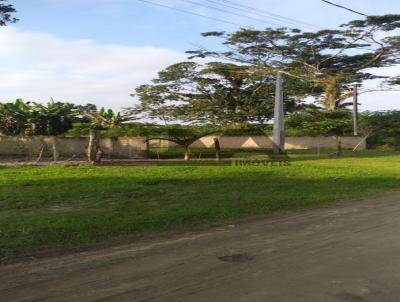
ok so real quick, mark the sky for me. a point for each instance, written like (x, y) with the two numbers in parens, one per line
(98, 51)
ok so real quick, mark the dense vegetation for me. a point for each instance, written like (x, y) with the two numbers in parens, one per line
(382, 128)
(53, 118)
(217, 93)
(66, 119)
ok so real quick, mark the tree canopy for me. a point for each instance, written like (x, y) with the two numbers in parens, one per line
(331, 59)
(6, 12)
(217, 93)
(315, 121)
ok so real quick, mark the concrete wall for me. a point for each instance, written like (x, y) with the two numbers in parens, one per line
(135, 147)
(264, 142)
(121, 147)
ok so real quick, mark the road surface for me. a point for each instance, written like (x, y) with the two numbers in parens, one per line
(346, 252)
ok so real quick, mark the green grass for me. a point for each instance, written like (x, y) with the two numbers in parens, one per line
(59, 207)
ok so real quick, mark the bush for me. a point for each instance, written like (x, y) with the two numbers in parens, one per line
(383, 127)
(78, 130)
(82, 129)
(317, 122)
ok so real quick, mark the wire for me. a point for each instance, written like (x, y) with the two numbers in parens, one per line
(266, 13)
(191, 13)
(346, 8)
(262, 15)
(230, 12)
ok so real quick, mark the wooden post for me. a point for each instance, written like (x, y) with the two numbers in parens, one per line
(40, 153)
(89, 151)
(54, 149)
(217, 148)
(147, 147)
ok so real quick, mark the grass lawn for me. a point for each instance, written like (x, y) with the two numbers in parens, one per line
(58, 207)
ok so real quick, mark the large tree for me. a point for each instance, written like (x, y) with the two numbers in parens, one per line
(217, 93)
(6, 12)
(331, 59)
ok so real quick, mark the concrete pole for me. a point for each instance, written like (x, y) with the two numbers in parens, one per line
(278, 140)
(355, 110)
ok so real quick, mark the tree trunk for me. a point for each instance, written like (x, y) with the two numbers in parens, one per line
(332, 93)
(339, 145)
(187, 154)
(99, 155)
(94, 153)
(217, 147)
(147, 147)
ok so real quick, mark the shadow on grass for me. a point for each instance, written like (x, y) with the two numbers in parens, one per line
(346, 154)
(207, 155)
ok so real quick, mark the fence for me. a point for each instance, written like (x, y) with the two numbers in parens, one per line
(264, 142)
(136, 147)
(121, 147)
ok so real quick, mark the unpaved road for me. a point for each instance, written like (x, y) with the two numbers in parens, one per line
(346, 252)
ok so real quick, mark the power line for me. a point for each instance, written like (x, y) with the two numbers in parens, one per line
(346, 8)
(229, 12)
(191, 13)
(267, 14)
(245, 9)
(297, 23)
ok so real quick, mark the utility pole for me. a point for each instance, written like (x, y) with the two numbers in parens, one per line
(355, 109)
(278, 140)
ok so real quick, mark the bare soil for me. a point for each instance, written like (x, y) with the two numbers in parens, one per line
(346, 252)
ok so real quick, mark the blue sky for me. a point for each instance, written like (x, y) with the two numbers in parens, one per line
(99, 50)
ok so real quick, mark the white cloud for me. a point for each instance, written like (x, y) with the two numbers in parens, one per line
(37, 66)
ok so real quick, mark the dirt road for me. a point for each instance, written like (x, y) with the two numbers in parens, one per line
(347, 252)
